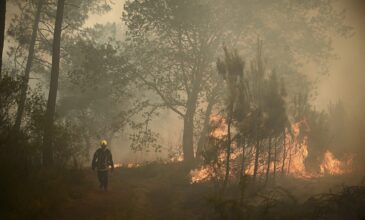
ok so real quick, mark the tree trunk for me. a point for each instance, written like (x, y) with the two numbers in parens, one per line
(257, 153)
(290, 157)
(275, 157)
(23, 94)
(52, 96)
(242, 171)
(228, 148)
(268, 162)
(188, 145)
(243, 167)
(188, 133)
(88, 144)
(284, 155)
(2, 30)
(205, 131)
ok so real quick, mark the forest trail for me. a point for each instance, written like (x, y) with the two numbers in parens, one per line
(139, 193)
(91, 203)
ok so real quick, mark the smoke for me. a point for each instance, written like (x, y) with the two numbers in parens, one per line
(346, 78)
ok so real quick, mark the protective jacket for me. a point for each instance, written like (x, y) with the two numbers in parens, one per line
(102, 159)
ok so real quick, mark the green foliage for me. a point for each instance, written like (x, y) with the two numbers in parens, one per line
(9, 89)
(100, 75)
(173, 44)
(33, 193)
(144, 140)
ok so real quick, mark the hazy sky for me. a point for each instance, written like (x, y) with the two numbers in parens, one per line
(115, 15)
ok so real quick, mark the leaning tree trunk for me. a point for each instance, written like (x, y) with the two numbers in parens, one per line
(2, 30)
(52, 96)
(23, 93)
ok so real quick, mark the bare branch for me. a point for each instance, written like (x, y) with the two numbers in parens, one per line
(166, 101)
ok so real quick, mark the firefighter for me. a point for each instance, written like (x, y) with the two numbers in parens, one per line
(101, 161)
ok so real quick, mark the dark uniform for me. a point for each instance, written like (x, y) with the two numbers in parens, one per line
(101, 161)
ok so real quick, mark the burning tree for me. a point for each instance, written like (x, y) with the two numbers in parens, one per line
(258, 135)
(232, 71)
(255, 107)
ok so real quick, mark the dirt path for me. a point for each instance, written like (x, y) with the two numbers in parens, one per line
(92, 203)
(152, 192)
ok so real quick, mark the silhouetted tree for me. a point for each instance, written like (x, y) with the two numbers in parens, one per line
(52, 96)
(277, 119)
(23, 94)
(2, 30)
(231, 69)
(174, 43)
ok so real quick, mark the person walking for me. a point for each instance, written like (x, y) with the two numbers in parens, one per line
(101, 162)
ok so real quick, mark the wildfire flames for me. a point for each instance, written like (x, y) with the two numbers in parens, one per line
(290, 162)
(332, 166)
(202, 174)
(128, 165)
(219, 127)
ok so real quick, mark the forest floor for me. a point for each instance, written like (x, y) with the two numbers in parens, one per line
(133, 194)
(156, 191)
(88, 202)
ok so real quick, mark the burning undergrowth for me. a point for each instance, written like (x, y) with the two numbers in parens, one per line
(288, 157)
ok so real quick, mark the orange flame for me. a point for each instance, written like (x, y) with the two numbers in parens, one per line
(220, 127)
(127, 165)
(294, 161)
(333, 166)
(199, 175)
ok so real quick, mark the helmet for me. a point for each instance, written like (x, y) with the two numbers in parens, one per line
(103, 143)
